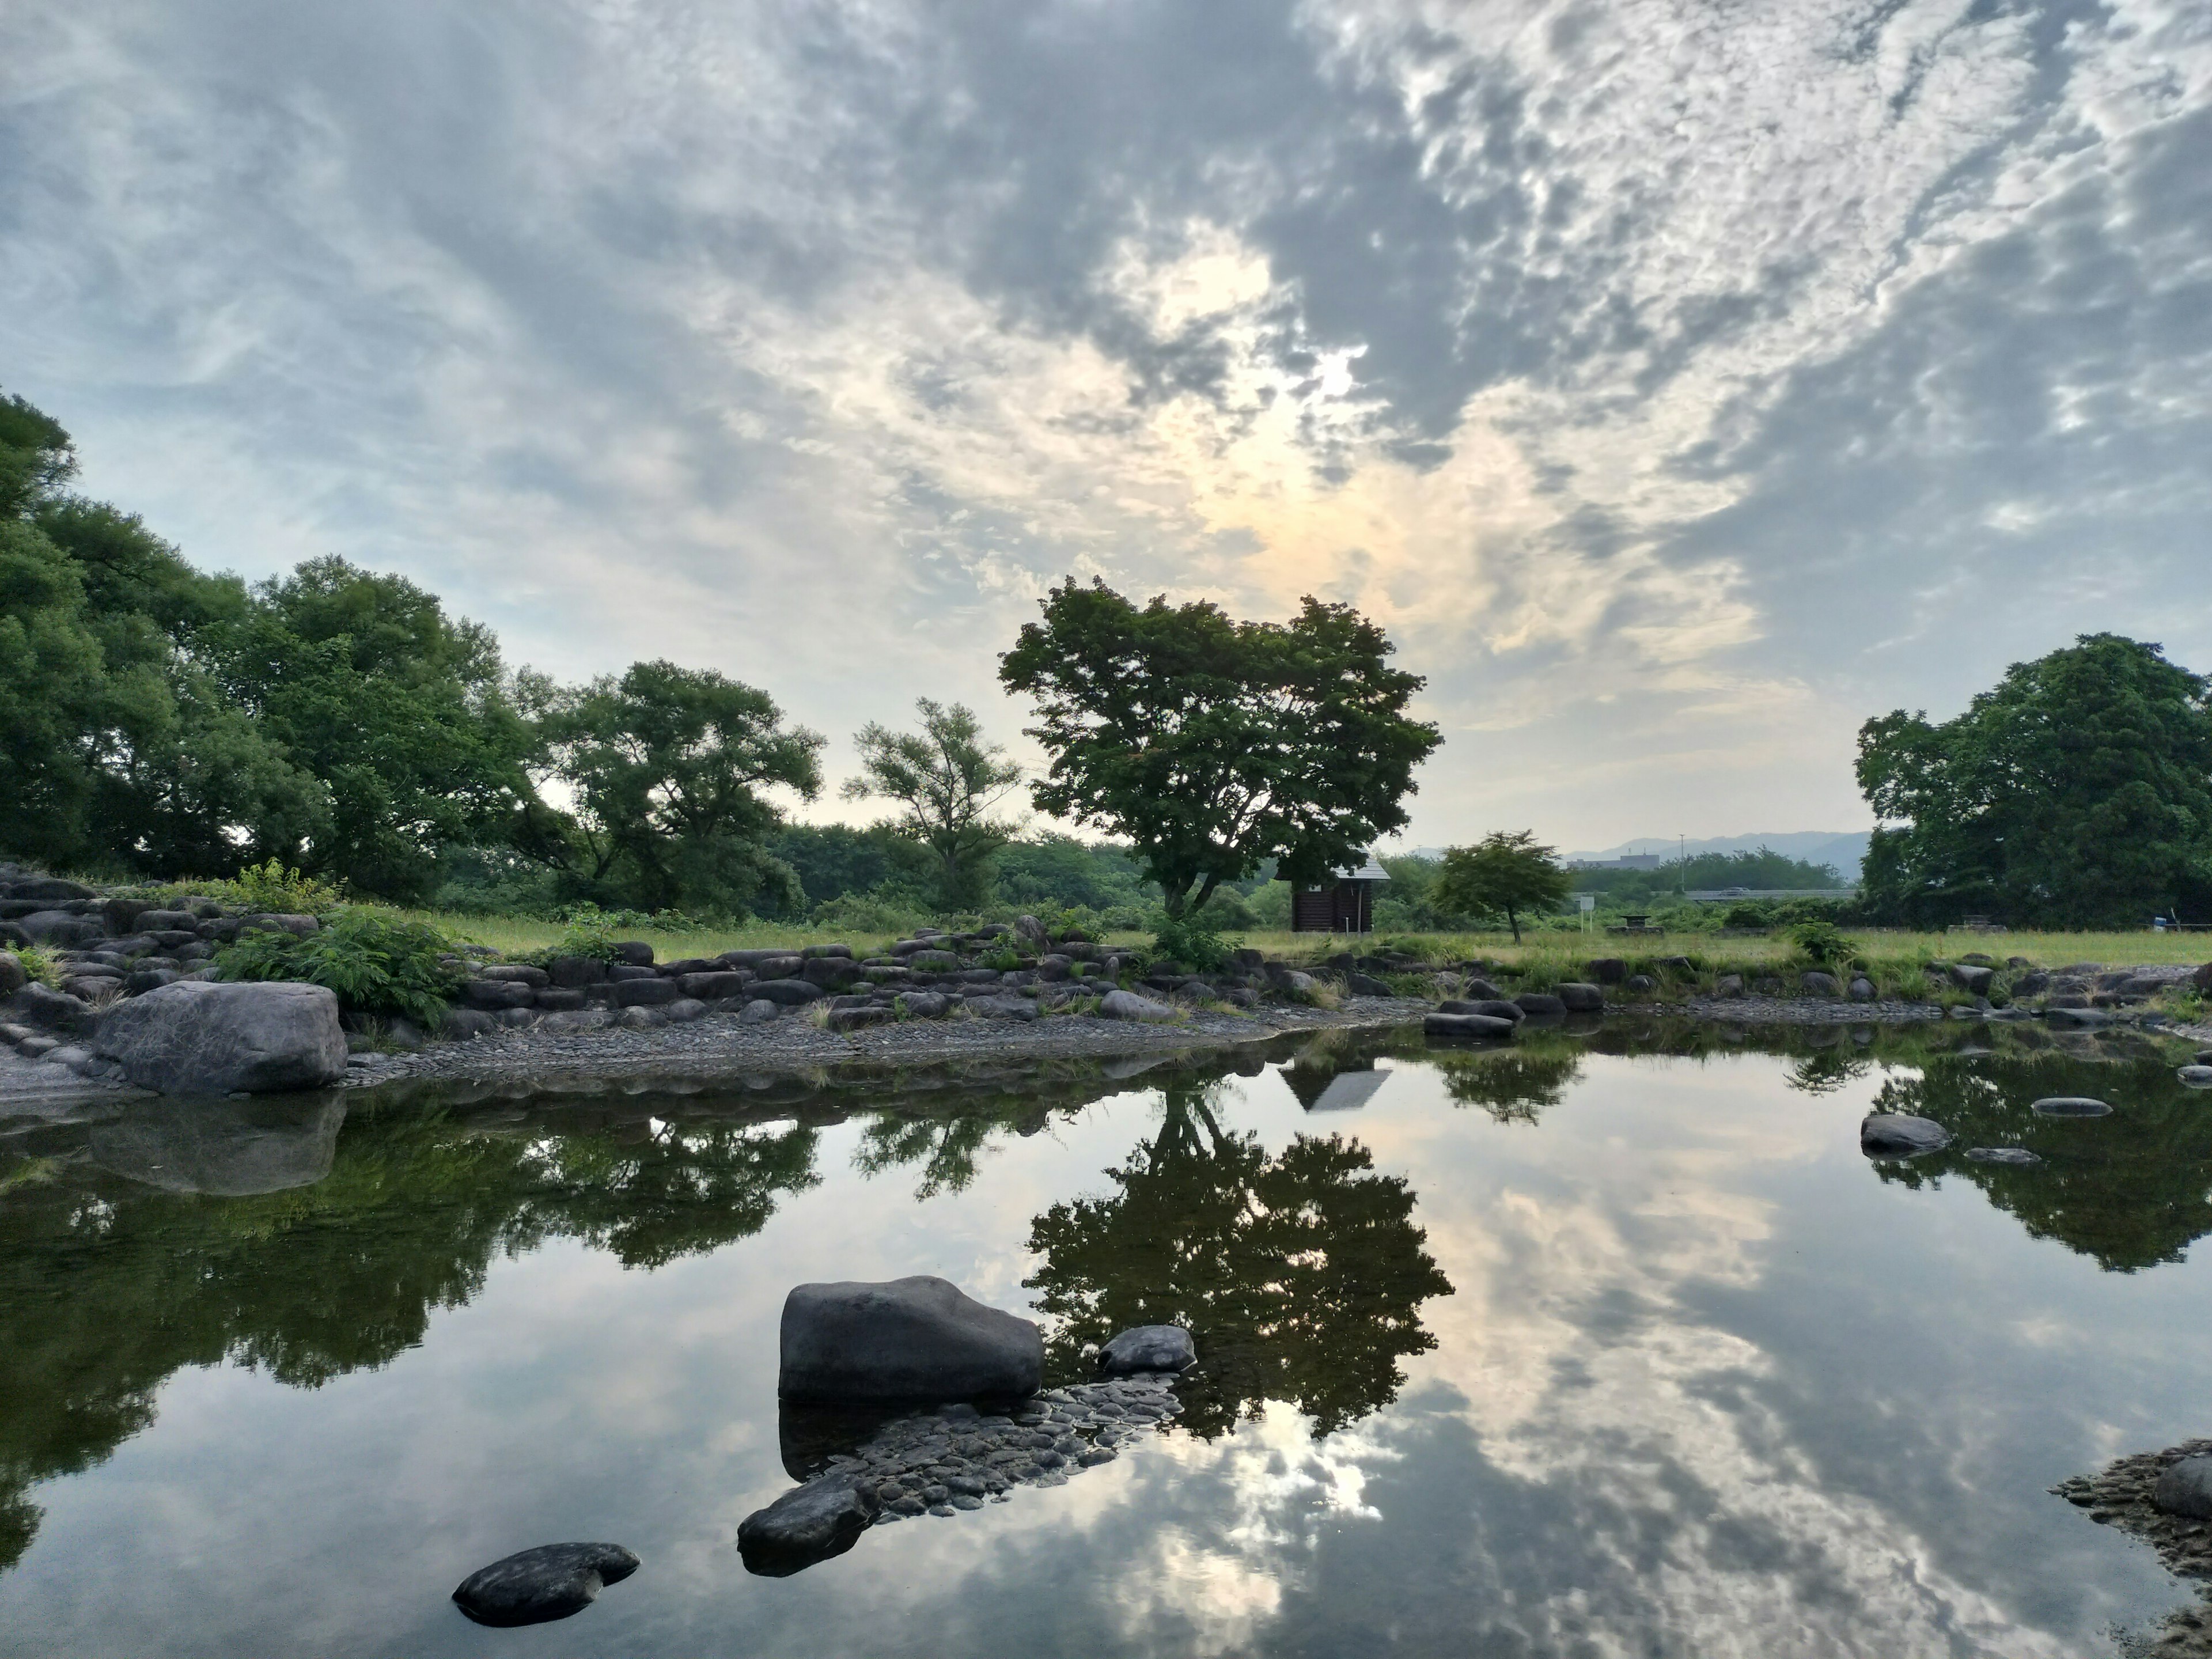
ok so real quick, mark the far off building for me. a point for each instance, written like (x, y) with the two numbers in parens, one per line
(1345, 905)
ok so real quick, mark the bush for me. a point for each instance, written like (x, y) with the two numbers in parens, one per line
(37, 964)
(1822, 944)
(1192, 943)
(269, 889)
(892, 915)
(376, 964)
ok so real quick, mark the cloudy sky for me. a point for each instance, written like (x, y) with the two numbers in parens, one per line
(1681, 381)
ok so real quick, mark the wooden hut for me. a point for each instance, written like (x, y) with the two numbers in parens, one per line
(1345, 905)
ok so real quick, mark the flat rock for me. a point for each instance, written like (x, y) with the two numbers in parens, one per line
(2070, 1106)
(1485, 1026)
(1900, 1134)
(808, 1524)
(907, 1338)
(198, 1036)
(1148, 1348)
(536, 1586)
(2198, 1076)
(1537, 1003)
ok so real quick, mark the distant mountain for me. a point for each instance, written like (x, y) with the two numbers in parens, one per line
(1844, 851)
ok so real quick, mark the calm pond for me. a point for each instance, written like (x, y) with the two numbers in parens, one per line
(1609, 1345)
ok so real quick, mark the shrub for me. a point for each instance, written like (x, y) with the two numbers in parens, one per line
(1822, 944)
(270, 889)
(38, 965)
(376, 963)
(1192, 943)
(889, 914)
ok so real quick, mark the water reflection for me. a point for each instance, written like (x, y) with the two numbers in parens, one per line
(1301, 1276)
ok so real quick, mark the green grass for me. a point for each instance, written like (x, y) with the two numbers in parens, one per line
(515, 936)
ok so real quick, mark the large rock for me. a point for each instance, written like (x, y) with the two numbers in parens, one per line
(61, 928)
(1607, 970)
(1973, 979)
(13, 978)
(1128, 1004)
(909, 1339)
(2185, 1488)
(1581, 998)
(200, 1037)
(536, 1586)
(646, 993)
(788, 992)
(809, 1523)
(1148, 1348)
(2069, 1106)
(1489, 1005)
(1485, 1026)
(1814, 983)
(2195, 1076)
(226, 1148)
(1539, 1004)
(1900, 1134)
(712, 987)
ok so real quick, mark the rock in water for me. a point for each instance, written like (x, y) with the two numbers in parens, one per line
(2185, 1488)
(1900, 1134)
(1581, 998)
(808, 1524)
(2002, 1155)
(200, 1037)
(2070, 1106)
(910, 1338)
(1148, 1348)
(2198, 1076)
(1467, 1025)
(536, 1586)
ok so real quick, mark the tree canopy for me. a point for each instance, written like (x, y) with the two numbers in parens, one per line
(2077, 792)
(1506, 874)
(1212, 745)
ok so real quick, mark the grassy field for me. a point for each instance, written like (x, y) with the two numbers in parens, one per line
(1556, 952)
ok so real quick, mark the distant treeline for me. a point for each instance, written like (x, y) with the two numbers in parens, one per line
(1764, 869)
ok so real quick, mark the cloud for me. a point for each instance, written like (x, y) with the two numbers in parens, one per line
(1664, 378)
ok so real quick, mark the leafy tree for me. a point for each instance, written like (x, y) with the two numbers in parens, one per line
(400, 712)
(946, 779)
(1212, 745)
(1301, 1276)
(835, 860)
(1505, 874)
(666, 767)
(2076, 793)
(1055, 871)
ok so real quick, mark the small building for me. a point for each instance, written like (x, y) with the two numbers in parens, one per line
(1345, 905)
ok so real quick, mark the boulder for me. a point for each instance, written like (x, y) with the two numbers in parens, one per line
(2078, 1019)
(923, 1005)
(2069, 1106)
(2002, 1155)
(298, 926)
(1031, 931)
(1728, 985)
(461, 1023)
(493, 995)
(809, 1523)
(1148, 1348)
(712, 987)
(1815, 983)
(2197, 1077)
(1972, 978)
(811, 952)
(1640, 983)
(2185, 1488)
(1900, 1134)
(758, 1011)
(685, 1010)
(1580, 998)
(536, 1586)
(52, 889)
(13, 976)
(1128, 1004)
(1005, 1007)
(573, 973)
(633, 953)
(558, 1000)
(519, 973)
(646, 993)
(1863, 989)
(789, 992)
(200, 1037)
(852, 1019)
(1487, 1027)
(1364, 985)
(60, 927)
(1607, 970)
(828, 971)
(909, 1339)
(1537, 1003)
(932, 961)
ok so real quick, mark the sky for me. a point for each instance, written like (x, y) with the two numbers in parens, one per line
(1680, 382)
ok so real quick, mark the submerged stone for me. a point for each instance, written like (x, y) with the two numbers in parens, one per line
(2070, 1106)
(808, 1524)
(2002, 1155)
(1147, 1348)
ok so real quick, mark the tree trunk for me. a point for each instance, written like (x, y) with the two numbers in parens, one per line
(1514, 922)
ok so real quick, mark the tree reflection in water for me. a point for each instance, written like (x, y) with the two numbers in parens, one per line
(1301, 1276)
(106, 1287)
(2129, 1190)
(1516, 1084)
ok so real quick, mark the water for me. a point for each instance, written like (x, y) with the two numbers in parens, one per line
(1615, 1348)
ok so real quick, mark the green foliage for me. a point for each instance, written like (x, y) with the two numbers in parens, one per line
(271, 889)
(665, 766)
(40, 967)
(1211, 745)
(377, 964)
(1507, 874)
(865, 912)
(1820, 942)
(1192, 941)
(946, 779)
(1055, 871)
(2077, 792)
(1763, 868)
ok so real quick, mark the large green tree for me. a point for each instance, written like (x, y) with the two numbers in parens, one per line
(2077, 792)
(401, 713)
(1505, 874)
(1212, 745)
(947, 781)
(666, 767)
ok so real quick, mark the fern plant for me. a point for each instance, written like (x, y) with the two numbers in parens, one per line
(375, 962)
